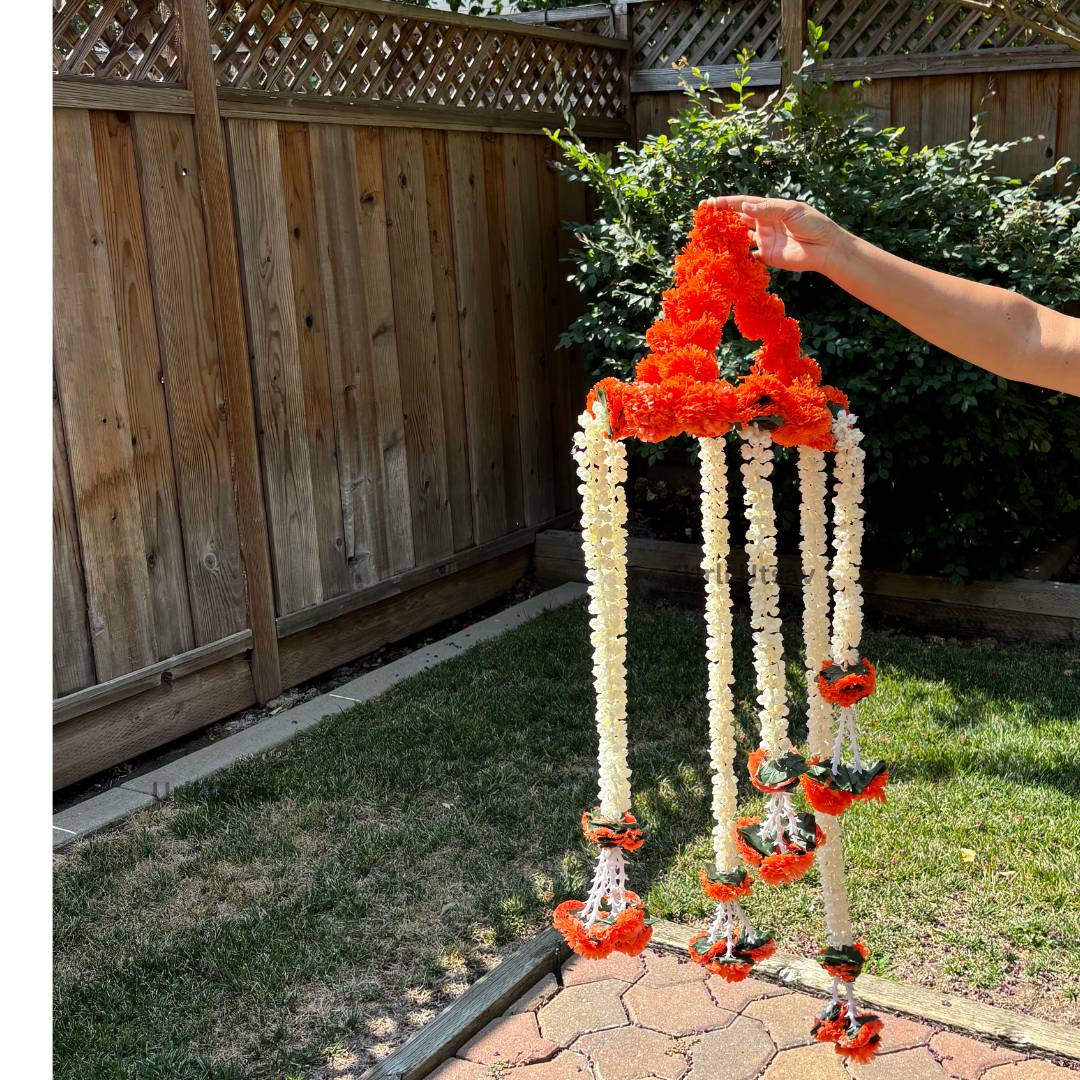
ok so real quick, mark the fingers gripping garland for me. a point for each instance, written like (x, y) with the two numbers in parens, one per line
(781, 401)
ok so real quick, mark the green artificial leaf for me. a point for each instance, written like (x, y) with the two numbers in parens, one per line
(752, 835)
(726, 877)
(783, 770)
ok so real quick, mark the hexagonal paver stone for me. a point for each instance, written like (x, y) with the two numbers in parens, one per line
(514, 1040)
(575, 1010)
(628, 1052)
(578, 970)
(968, 1059)
(1030, 1069)
(736, 996)
(539, 995)
(916, 1064)
(670, 969)
(683, 1009)
(568, 1065)
(788, 1017)
(738, 1052)
(900, 1033)
(456, 1069)
(817, 1062)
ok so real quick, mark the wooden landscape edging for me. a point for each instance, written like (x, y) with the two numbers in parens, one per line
(486, 999)
(970, 1017)
(1044, 611)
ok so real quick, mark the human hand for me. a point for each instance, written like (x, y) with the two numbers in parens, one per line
(786, 234)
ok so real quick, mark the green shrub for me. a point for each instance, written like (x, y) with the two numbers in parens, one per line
(965, 470)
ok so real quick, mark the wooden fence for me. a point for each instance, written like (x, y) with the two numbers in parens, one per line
(307, 290)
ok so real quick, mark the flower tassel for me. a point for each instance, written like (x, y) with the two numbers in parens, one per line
(612, 918)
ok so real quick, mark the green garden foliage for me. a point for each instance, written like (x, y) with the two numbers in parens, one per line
(965, 471)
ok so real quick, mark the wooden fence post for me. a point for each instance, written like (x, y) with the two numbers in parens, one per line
(231, 325)
(793, 17)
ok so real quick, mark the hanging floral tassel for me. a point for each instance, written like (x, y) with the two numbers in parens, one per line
(831, 783)
(828, 782)
(731, 946)
(782, 843)
(612, 918)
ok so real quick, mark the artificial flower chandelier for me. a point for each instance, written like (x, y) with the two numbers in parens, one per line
(677, 389)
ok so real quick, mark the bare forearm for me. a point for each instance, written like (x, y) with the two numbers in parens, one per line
(993, 328)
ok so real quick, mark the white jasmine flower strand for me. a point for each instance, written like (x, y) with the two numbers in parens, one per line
(848, 469)
(815, 568)
(718, 623)
(757, 469)
(601, 466)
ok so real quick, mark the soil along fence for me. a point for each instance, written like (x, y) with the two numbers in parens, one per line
(307, 291)
(930, 64)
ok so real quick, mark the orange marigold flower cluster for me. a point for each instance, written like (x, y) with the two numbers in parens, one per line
(846, 685)
(844, 962)
(605, 833)
(733, 966)
(857, 1039)
(720, 891)
(677, 387)
(822, 797)
(628, 932)
(782, 866)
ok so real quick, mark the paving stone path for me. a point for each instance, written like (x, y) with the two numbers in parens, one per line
(660, 1016)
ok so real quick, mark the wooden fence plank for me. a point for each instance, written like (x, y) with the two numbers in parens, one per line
(275, 355)
(559, 416)
(348, 345)
(93, 406)
(1068, 131)
(125, 686)
(531, 345)
(379, 297)
(570, 364)
(311, 330)
(946, 109)
(907, 110)
(239, 407)
(503, 306)
(468, 199)
(73, 661)
(988, 103)
(125, 242)
(407, 231)
(160, 714)
(1031, 108)
(451, 381)
(191, 356)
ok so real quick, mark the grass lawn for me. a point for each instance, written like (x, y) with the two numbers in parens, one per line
(318, 903)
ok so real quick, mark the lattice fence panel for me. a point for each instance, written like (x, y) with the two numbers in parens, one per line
(129, 40)
(319, 50)
(875, 28)
(704, 34)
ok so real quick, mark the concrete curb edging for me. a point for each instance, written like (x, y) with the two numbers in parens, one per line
(113, 805)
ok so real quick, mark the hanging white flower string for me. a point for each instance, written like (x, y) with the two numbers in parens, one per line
(840, 1022)
(611, 917)
(782, 845)
(731, 945)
